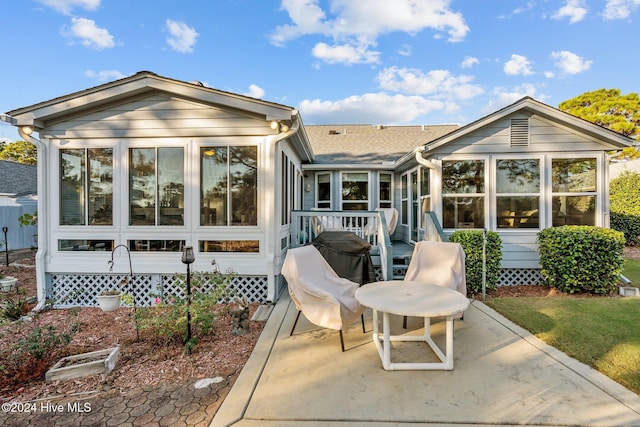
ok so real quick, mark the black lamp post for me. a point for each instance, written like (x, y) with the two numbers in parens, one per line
(188, 257)
(6, 244)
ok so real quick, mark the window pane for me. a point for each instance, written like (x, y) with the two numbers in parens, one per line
(252, 246)
(385, 187)
(355, 186)
(171, 185)
(243, 172)
(425, 188)
(324, 191)
(518, 212)
(463, 212)
(142, 186)
(213, 187)
(84, 245)
(72, 186)
(355, 206)
(573, 210)
(518, 176)
(463, 176)
(101, 186)
(573, 175)
(405, 187)
(156, 245)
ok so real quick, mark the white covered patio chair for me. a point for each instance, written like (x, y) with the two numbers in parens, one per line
(390, 217)
(326, 299)
(438, 263)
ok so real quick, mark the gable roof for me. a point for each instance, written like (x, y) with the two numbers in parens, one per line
(18, 178)
(140, 83)
(590, 130)
(144, 83)
(368, 145)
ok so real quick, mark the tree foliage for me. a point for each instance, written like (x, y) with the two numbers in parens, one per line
(20, 152)
(609, 109)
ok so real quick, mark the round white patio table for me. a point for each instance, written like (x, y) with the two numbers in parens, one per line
(409, 298)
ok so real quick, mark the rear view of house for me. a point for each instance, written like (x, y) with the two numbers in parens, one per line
(156, 164)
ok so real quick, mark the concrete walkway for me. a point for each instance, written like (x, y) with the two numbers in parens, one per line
(502, 376)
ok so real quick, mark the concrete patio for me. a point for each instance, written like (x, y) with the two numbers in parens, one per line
(502, 376)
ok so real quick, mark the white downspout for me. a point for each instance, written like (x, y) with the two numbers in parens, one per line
(43, 219)
(269, 203)
(424, 162)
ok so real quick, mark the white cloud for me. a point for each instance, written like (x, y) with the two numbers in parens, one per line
(504, 97)
(405, 50)
(182, 38)
(346, 54)
(518, 65)
(66, 6)
(575, 10)
(530, 5)
(570, 63)
(358, 23)
(469, 61)
(619, 9)
(90, 34)
(105, 75)
(371, 108)
(437, 83)
(255, 91)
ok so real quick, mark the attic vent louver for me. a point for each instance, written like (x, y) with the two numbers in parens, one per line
(519, 133)
(333, 132)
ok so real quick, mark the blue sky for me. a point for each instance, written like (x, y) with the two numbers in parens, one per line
(337, 61)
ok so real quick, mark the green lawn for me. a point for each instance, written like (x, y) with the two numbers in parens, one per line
(603, 333)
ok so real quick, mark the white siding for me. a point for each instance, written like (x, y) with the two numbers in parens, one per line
(159, 116)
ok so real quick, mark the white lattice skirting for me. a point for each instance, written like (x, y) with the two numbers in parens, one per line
(72, 290)
(519, 276)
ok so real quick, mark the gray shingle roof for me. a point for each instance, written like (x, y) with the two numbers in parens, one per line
(368, 143)
(18, 178)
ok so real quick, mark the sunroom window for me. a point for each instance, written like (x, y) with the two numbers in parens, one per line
(574, 191)
(463, 188)
(86, 186)
(229, 186)
(518, 193)
(156, 186)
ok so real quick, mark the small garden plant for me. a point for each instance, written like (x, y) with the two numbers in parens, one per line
(166, 321)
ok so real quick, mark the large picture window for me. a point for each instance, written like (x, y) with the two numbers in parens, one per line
(156, 186)
(574, 191)
(86, 186)
(518, 193)
(229, 186)
(463, 188)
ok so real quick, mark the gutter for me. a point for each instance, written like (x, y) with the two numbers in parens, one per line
(42, 221)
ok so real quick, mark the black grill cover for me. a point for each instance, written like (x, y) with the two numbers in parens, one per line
(347, 254)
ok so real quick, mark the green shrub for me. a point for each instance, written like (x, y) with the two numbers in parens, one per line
(629, 225)
(581, 258)
(624, 201)
(166, 322)
(471, 241)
